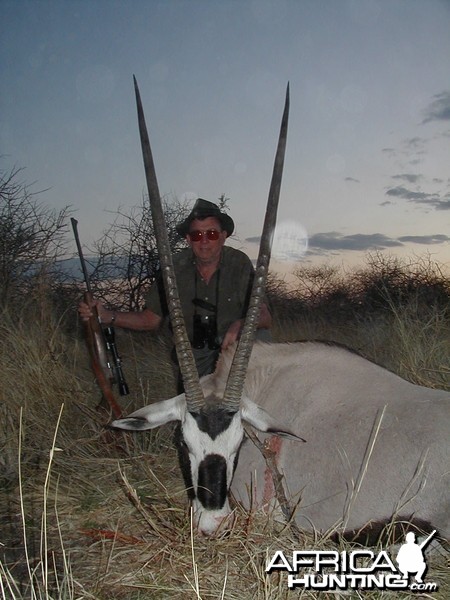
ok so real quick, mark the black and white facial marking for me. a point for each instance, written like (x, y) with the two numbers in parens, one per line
(212, 482)
(210, 442)
(212, 439)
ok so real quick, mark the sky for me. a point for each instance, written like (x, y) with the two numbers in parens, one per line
(368, 152)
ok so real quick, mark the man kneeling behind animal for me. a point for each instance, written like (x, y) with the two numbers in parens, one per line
(214, 284)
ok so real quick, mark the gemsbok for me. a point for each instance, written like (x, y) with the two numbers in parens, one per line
(377, 447)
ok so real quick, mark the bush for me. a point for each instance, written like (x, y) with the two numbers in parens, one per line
(395, 313)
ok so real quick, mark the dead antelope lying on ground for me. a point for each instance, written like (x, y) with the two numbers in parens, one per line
(377, 446)
(349, 473)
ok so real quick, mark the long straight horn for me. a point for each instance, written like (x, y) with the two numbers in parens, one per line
(194, 393)
(236, 378)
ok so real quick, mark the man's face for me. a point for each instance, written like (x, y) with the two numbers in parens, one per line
(201, 236)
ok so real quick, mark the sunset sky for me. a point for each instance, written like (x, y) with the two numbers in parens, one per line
(368, 155)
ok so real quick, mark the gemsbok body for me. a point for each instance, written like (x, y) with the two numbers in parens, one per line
(377, 447)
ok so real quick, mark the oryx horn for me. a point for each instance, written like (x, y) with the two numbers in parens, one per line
(191, 382)
(236, 378)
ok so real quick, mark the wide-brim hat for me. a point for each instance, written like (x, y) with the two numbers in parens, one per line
(201, 210)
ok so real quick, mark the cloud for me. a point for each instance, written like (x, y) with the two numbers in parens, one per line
(352, 179)
(390, 151)
(439, 109)
(415, 143)
(409, 177)
(443, 205)
(422, 198)
(332, 240)
(410, 151)
(402, 192)
(425, 239)
(335, 241)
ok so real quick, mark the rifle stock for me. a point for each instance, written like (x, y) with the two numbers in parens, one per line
(98, 346)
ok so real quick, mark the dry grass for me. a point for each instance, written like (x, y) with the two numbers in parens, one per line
(395, 314)
(119, 527)
(89, 513)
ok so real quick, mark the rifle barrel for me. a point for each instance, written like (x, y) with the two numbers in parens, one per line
(80, 254)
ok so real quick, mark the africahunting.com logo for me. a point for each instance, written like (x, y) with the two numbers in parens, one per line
(363, 569)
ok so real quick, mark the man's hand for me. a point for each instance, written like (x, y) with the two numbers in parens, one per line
(232, 334)
(85, 311)
(234, 330)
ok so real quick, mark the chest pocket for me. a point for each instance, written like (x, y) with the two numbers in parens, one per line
(231, 308)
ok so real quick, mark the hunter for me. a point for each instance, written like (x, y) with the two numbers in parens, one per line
(214, 285)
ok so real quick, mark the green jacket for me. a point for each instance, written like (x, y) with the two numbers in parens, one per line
(229, 289)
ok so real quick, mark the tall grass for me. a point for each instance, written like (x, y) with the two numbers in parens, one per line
(90, 513)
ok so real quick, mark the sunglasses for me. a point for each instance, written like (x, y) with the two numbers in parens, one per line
(211, 234)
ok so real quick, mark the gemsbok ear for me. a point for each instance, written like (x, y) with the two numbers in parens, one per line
(153, 415)
(255, 416)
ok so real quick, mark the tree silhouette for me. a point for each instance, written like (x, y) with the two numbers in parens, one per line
(32, 236)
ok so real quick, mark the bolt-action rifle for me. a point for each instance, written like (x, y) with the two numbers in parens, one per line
(105, 360)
